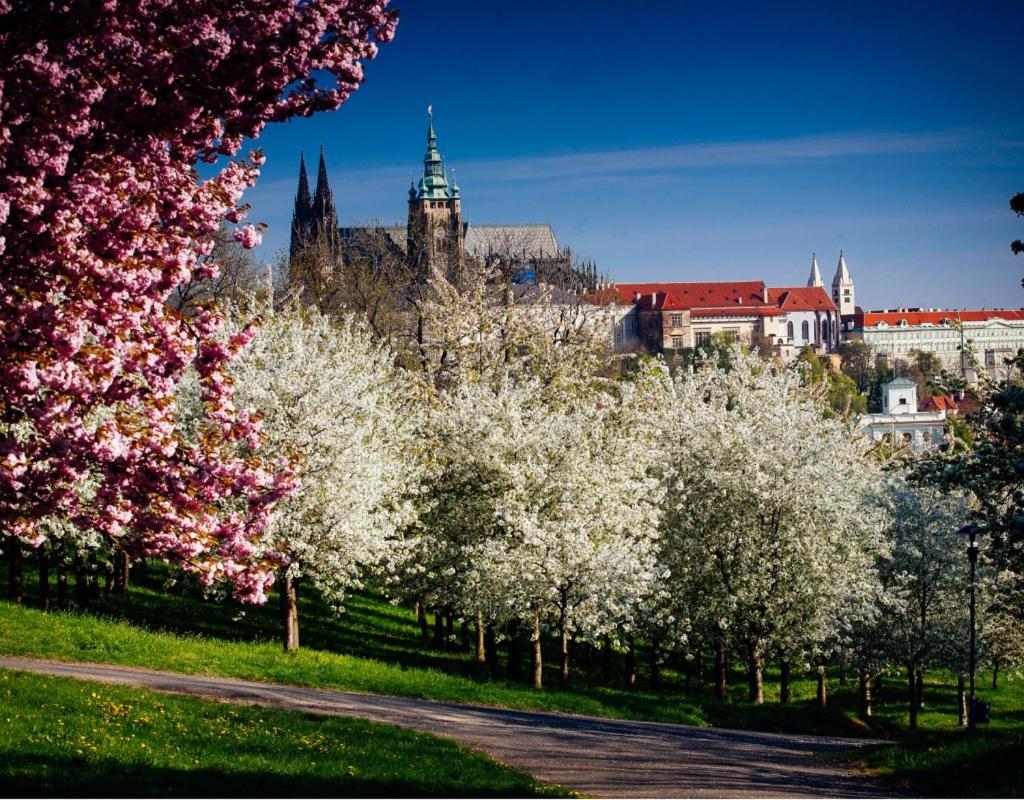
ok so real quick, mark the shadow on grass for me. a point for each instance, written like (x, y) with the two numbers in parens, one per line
(53, 776)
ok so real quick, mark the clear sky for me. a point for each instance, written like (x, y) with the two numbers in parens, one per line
(683, 141)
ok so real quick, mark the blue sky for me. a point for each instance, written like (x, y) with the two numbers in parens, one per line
(682, 141)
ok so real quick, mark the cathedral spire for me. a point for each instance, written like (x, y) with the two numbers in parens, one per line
(433, 185)
(815, 279)
(324, 215)
(302, 216)
(842, 273)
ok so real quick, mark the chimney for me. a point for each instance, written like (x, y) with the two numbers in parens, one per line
(636, 297)
(654, 299)
(764, 292)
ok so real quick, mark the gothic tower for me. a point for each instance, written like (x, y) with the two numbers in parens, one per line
(435, 234)
(842, 289)
(815, 278)
(303, 213)
(314, 216)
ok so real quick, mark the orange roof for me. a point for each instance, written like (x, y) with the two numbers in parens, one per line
(801, 298)
(871, 318)
(725, 297)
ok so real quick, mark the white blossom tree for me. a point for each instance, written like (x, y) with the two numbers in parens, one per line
(327, 392)
(765, 530)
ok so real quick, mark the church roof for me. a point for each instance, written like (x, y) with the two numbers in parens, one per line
(801, 298)
(815, 277)
(524, 241)
(842, 273)
(718, 298)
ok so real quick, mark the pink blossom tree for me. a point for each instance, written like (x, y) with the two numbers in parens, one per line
(106, 108)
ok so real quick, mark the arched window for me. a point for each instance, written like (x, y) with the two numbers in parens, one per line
(789, 330)
(805, 331)
(824, 331)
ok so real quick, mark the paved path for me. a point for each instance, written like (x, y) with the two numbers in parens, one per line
(595, 756)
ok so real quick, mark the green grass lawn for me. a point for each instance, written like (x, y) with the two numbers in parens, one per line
(60, 736)
(376, 647)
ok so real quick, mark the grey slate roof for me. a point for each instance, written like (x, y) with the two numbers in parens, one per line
(529, 241)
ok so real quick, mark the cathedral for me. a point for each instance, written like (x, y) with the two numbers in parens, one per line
(435, 232)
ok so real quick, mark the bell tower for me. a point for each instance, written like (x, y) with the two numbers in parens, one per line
(435, 233)
(842, 289)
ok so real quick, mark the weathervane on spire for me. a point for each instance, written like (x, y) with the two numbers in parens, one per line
(430, 110)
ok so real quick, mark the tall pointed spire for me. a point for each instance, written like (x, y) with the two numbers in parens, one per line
(434, 184)
(842, 273)
(842, 288)
(325, 218)
(815, 279)
(302, 216)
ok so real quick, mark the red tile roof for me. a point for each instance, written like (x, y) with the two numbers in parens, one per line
(725, 298)
(801, 298)
(892, 318)
(945, 402)
(720, 298)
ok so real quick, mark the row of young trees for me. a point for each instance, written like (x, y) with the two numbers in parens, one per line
(517, 479)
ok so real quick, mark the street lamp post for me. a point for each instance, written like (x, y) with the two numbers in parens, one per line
(971, 531)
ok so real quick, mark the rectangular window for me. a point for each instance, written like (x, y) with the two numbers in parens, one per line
(677, 342)
(700, 337)
(676, 320)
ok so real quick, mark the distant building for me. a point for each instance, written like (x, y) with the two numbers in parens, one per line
(901, 423)
(436, 231)
(679, 316)
(991, 335)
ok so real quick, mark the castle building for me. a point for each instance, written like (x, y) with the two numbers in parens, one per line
(679, 316)
(436, 231)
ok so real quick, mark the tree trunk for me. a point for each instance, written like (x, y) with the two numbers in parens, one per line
(289, 612)
(14, 588)
(481, 654)
(995, 677)
(920, 688)
(865, 693)
(721, 676)
(912, 696)
(109, 571)
(537, 661)
(606, 659)
(122, 566)
(421, 617)
(44, 579)
(630, 663)
(822, 688)
(514, 667)
(94, 578)
(961, 701)
(62, 584)
(491, 646)
(655, 663)
(438, 629)
(81, 590)
(755, 676)
(449, 631)
(563, 649)
(785, 692)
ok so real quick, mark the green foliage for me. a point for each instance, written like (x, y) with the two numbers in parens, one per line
(65, 737)
(841, 393)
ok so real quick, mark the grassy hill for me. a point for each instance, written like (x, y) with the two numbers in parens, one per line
(64, 737)
(165, 622)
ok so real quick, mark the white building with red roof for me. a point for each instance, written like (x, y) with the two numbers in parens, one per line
(677, 316)
(991, 335)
